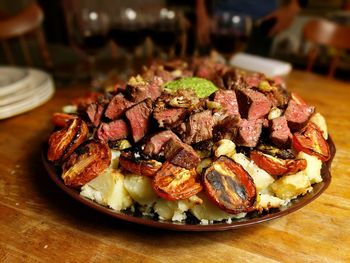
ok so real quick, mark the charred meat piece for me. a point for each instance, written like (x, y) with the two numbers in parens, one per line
(83, 102)
(233, 79)
(118, 105)
(298, 115)
(252, 104)
(114, 130)
(139, 118)
(276, 152)
(229, 186)
(199, 127)
(169, 117)
(228, 101)
(131, 161)
(63, 142)
(279, 97)
(176, 183)
(86, 163)
(155, 144)
(181, 154)
(138, 89)
(227, 128)
(280, 133)
(94, 112)
(248, 132)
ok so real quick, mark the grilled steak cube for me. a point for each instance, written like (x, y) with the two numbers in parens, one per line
(114, 130)
(94, 112)
(155, 144)
(228, 101)
(138, 89)
(280, 132)
(118, 105)
(252, 104)
(248, 132)
(169, 117)
(181, 154)
(139, 118)
(298, 115)
(199, 127)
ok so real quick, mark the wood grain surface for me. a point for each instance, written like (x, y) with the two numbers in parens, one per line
(39, 223)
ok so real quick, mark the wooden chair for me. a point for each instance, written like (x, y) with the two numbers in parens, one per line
(28, 21)
(327, 33)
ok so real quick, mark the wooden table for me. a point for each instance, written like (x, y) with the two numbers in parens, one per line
(39, 223)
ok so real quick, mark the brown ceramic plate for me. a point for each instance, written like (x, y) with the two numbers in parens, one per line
(250, 219)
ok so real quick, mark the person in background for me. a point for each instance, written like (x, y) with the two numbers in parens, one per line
(269, 18)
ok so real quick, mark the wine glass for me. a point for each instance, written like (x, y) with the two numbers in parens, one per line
(165, 31)
(129, 31)
(89, 28)
(229, 31)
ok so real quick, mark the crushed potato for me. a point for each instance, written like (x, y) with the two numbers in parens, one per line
(313, 168)
(140, 189)
(320, 122)
(108, 189)
(224, 147)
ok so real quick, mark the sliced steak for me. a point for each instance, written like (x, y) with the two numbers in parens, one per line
(297, 115)
(112, 131)
(118, 105)
(155, 144)
(233, 79)
(252, 104)
(139, 118)
(181, 154)
(199, 127)
(138, 89)
(248, 132)
(226, 129)
(228, 101)
(279, 97)
(169, 117)
(280, 132)
(94, 112)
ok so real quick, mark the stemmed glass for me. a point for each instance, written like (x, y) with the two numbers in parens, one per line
(165, 31)
(229, 31)
(128, 30)
(89, 28)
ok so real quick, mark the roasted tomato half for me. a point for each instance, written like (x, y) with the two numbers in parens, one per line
(311, 141)
(61, 119)
(229, 186)
(176, 183)
(63, 142)
(86, 163)
(129, 160)
(276, 166)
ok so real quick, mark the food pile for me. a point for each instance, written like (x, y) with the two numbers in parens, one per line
(191, 140)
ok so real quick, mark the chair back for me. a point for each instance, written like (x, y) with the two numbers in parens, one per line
(28, 21)
(327, 33)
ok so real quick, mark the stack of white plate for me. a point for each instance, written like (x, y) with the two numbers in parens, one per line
(23, 89)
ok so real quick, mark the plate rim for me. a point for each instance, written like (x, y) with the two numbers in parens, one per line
(18, 85)
(167, 225)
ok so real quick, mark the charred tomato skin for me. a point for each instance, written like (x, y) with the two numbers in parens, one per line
(63, 142)
(138, 166)
(87, 162)
(311, 141)
(275, 166)
(173, 182)
(229, 186)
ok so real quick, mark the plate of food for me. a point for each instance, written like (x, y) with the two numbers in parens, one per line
(191, 146)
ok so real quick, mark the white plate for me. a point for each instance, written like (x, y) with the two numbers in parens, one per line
(42, 87)
(13, 79)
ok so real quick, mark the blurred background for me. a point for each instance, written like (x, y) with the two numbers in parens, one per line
(84, 36)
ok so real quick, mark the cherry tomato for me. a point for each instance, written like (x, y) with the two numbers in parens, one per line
(61, 119)
(229, 186)
(173, 182)
(311, 141)
(276, 166)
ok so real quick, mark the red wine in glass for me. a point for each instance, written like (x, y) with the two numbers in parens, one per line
(226, 42)
(128, 37)
(164, 37)
(93, 43)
